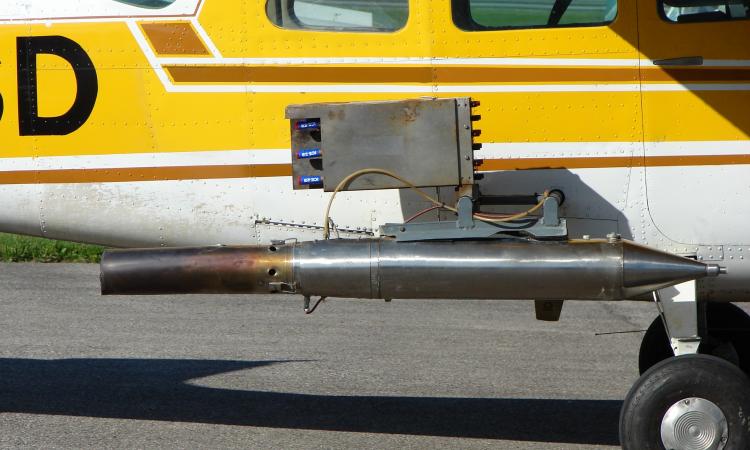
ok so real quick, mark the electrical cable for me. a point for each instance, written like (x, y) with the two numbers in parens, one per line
(359, 173)
(421, 213)
(484, 217)
(309, 310)
(515, 216)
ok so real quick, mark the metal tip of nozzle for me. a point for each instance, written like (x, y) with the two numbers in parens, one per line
(714, 270)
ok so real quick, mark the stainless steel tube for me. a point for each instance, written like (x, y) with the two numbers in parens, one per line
(583, 270)
(203, 270)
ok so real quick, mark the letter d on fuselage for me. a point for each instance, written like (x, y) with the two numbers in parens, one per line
(30, 123)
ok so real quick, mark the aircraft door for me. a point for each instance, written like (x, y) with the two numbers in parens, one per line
(695, 75)
(559, 93)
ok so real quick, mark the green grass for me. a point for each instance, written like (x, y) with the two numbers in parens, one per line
(14, 248)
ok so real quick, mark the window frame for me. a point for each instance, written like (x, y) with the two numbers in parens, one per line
(663, 16)
(136, 4)
(466, 21)
(323, 29)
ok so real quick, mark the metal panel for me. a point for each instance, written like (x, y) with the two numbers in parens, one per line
(426, 141)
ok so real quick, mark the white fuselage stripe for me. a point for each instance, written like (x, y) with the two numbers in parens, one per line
(135, 160)
(407, 61)
(205, 37)
(283, 156)
(610, 149)
(79, 10)
(159, 63)
(445, 89)
(440, 61)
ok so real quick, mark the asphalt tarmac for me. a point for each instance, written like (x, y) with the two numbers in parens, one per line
(78, 370)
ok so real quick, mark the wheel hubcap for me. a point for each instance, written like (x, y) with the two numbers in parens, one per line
(694, 424)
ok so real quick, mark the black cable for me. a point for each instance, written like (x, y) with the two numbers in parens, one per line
(310, 311)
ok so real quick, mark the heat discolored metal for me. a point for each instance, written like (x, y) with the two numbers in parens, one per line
(203, 270)
(386, 269)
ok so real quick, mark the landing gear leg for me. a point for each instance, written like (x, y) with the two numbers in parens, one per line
(678, 309)
(724, 329)
(677, 329)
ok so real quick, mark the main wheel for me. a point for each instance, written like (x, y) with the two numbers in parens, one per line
(691, 402)
(728, 338)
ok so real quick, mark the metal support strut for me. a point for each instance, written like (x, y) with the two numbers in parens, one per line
(548, 226)
(678, 309)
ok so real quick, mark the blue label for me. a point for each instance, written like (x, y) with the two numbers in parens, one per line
(310, 179)
(307, 125)
(309, 153)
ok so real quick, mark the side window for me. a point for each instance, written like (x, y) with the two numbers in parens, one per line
(339, 15)
(477, 15)
(704, 10)
(150, 4)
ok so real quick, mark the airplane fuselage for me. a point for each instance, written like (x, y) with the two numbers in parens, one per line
(164, 126)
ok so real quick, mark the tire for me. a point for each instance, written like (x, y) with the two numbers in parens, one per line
(728, 338)
(671, 382)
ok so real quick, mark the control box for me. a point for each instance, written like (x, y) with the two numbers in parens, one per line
(427, 141)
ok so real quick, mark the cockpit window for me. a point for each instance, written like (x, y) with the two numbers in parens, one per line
(478, 15)
(682, 11)
(339, 15)
(150, 4)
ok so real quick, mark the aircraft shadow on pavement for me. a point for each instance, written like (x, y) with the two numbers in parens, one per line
(159, 389)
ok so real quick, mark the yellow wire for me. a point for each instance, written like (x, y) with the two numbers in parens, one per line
(516, 216)
(359, 173)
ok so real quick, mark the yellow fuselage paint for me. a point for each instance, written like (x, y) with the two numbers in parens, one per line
(135, 113)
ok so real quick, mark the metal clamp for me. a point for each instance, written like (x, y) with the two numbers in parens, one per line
(548, 226)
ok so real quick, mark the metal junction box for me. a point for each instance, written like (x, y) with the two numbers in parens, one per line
(426, 141)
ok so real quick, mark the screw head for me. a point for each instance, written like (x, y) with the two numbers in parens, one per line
(613, 237)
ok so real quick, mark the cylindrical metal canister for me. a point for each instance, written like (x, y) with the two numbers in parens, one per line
(386, 269)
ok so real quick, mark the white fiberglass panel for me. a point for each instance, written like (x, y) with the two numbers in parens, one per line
(94, 9)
